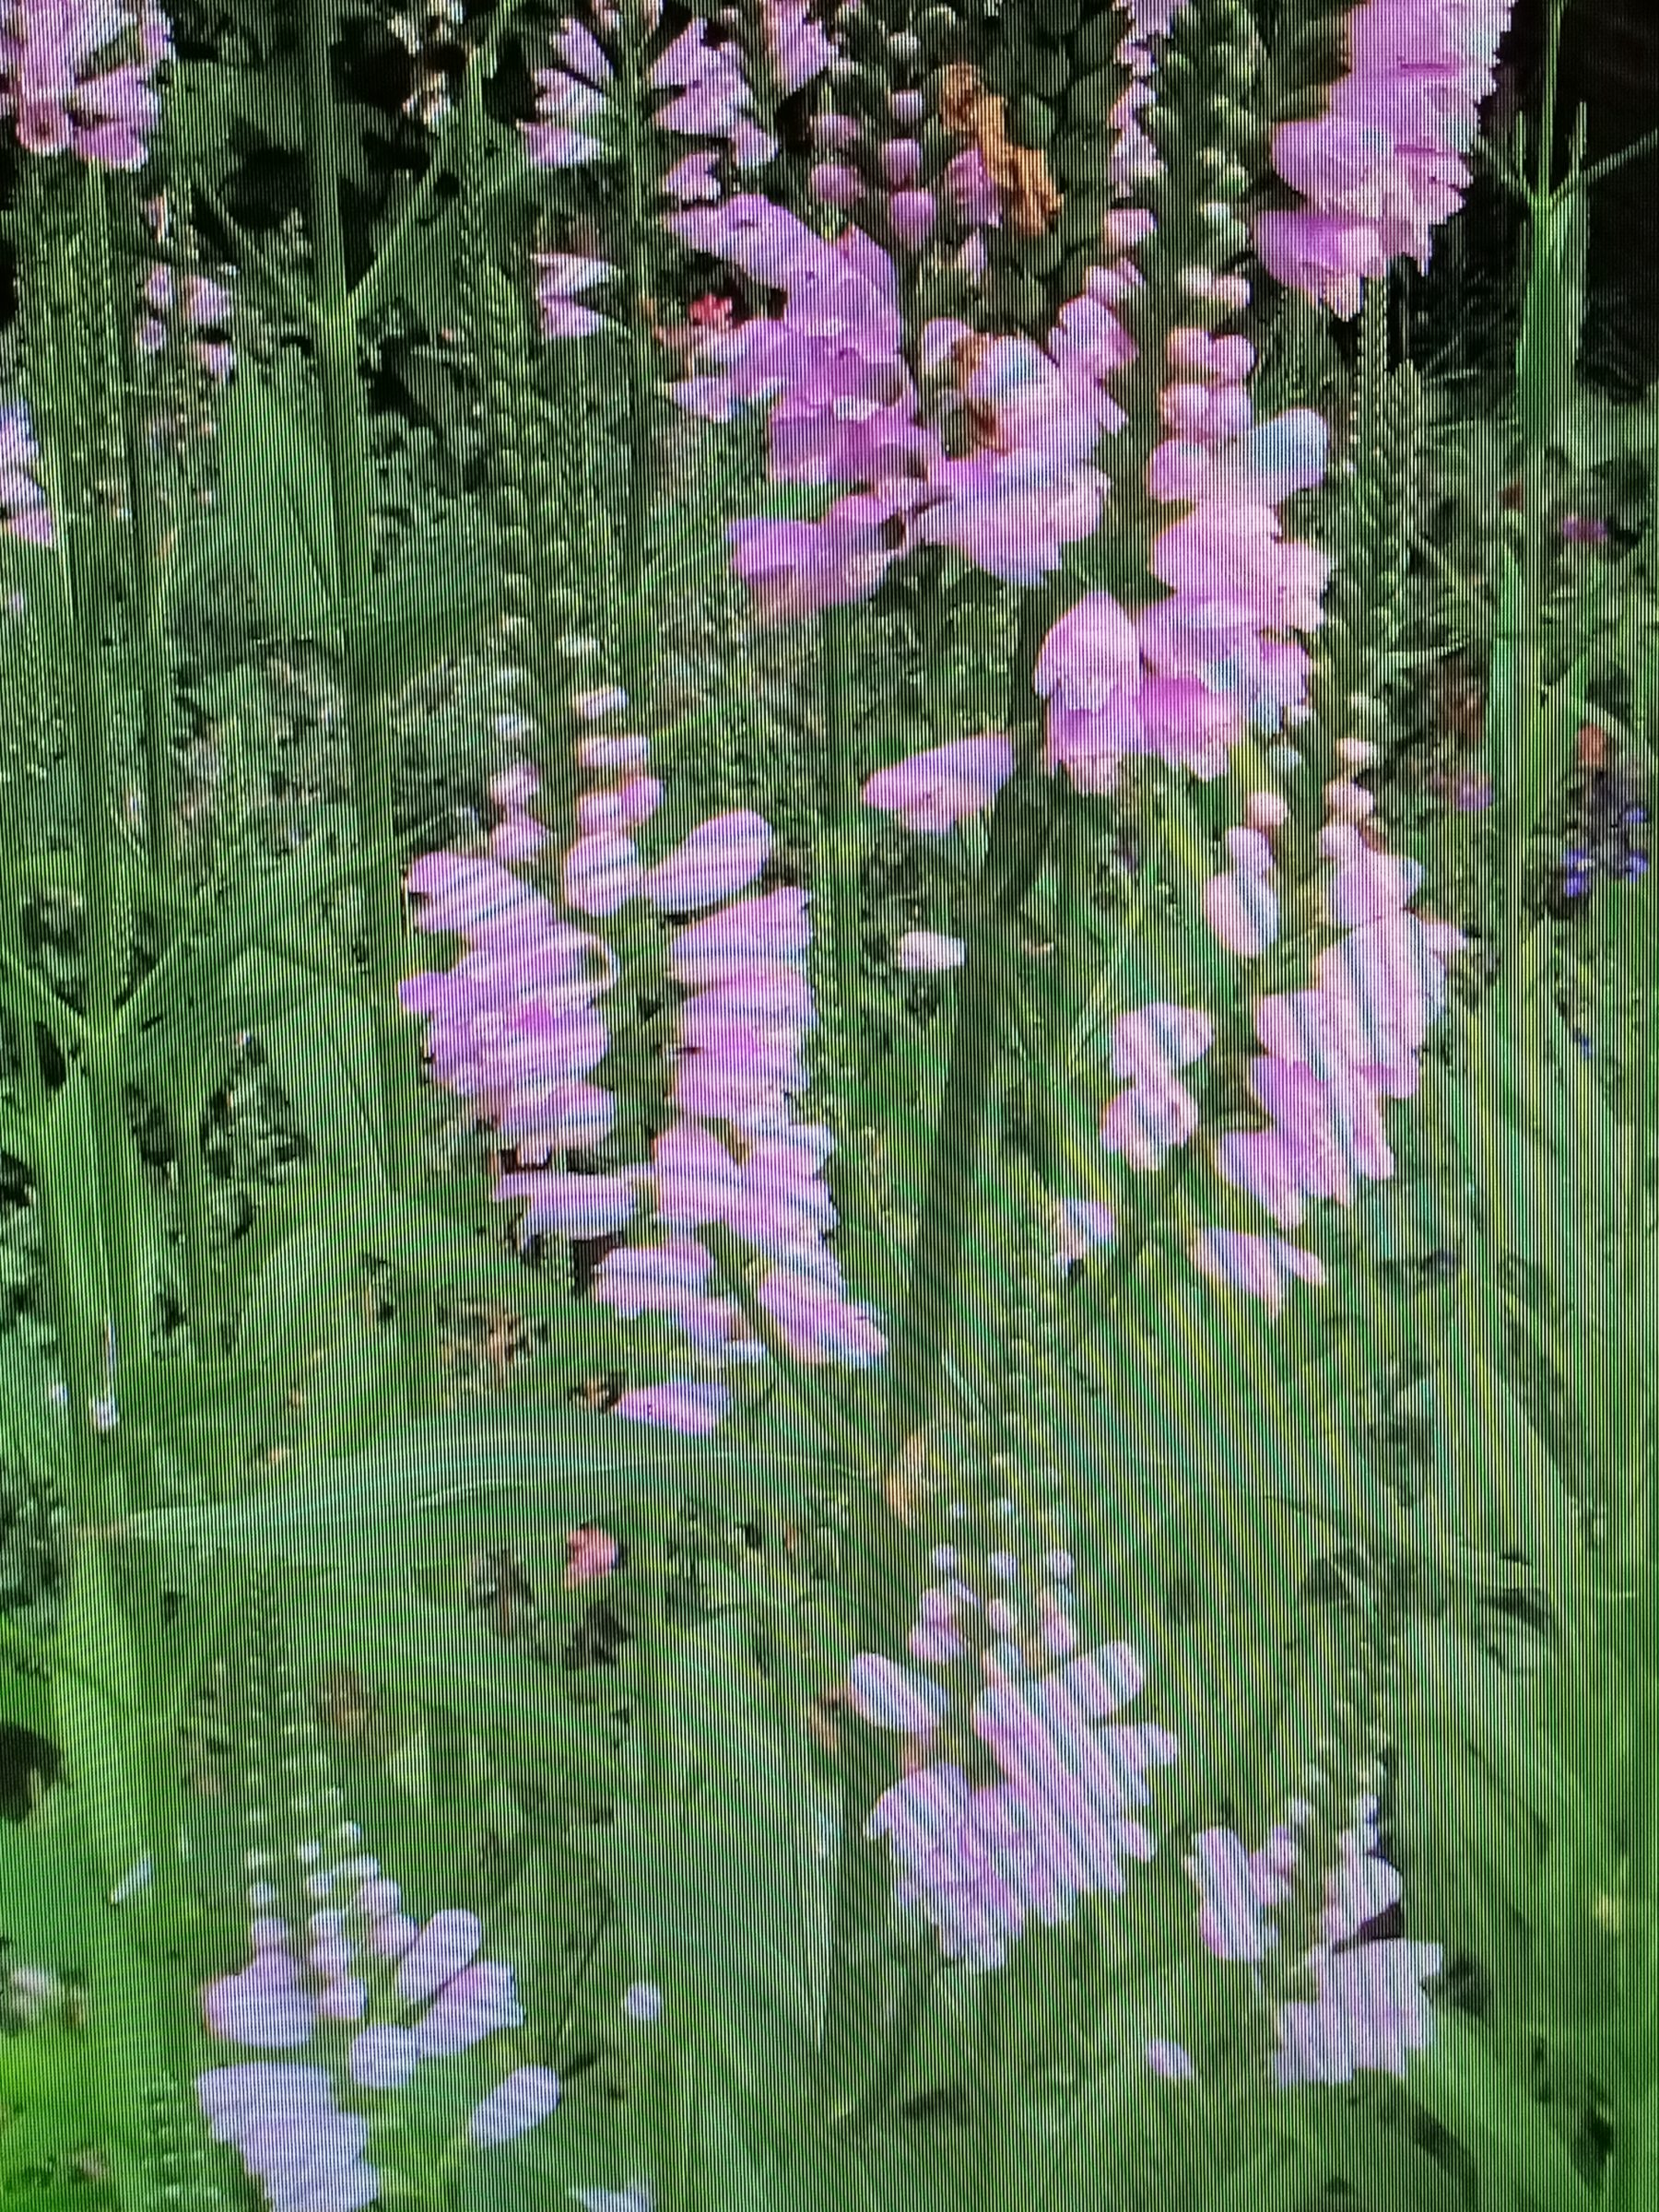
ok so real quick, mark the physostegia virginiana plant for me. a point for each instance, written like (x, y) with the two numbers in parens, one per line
(942, 1096)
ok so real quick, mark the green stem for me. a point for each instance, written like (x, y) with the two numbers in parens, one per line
(336, 331)
(886, 1566)
(639, 334)
(1552, 72)
(252, 259)
(156, 665)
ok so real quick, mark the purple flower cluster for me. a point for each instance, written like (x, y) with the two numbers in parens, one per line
(515, 1029)
(980, 1859)
(846, 410)
(308, 2155)
(1384, 164)
(1370, 2009)
(22, 499)
(57, 103)
(712, 96)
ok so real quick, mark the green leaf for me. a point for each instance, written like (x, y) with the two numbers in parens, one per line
(1553, 324)
(187, 993)
(471, 1471)
(1495, 1479)
(1525, 2163)
(275, 493)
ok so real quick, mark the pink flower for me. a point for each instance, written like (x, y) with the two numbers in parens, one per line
(1372, 887)
(914, 217)
(514, 2106)
(1260, 1266)
(890, 1696)
(563, 1204)
(470, 2007)
(562, 277)
(1236, 1886)
(1152, 1041)
(696, 1177)
(261, 2007)
(980, 1863)
(591, 1555)
(933, 791)
(1144, 1125)
(1241, 909)
(449, 1942)
(383, 2058)
(797, 50)
(805, 1297)
(799, 569)
(1370, 2012)
(692, 1408)
(1326, 256)
(1091, 657)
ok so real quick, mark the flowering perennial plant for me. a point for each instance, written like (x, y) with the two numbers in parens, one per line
(933, 948)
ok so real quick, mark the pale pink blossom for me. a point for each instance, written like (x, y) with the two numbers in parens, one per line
(449, 1941)
(601, 873)
(1090, 657)
(692, 1408)
(927, 952)
(1144, 1125)
(720, 857)
(933, 791)
(513, 2107)
(1238, 1887)
(1152, 1041)
(1242, 910)
(564, 1204)
(1259, 1267)
(1370, 2013)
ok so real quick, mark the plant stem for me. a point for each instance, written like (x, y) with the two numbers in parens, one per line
(887, 1565)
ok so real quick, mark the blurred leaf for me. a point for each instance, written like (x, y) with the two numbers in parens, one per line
(1459, 2080)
